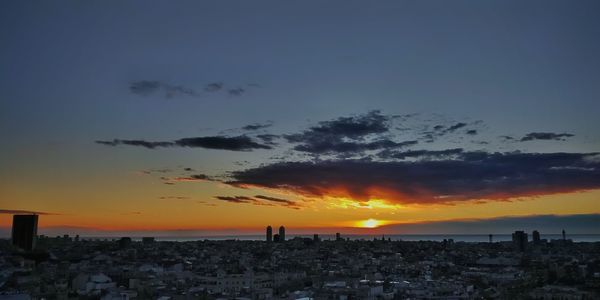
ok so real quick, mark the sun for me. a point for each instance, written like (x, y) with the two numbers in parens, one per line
(370, 223)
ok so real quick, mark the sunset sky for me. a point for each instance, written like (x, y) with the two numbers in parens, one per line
(220, 117)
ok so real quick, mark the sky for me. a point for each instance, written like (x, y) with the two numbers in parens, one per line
(220, 117)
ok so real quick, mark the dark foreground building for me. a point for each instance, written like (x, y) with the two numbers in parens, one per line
(24, 231)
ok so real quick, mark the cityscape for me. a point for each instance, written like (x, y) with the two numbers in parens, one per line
(65, 267)
(299, 150)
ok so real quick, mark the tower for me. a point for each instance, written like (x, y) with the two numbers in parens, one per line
(269, 234)
(24, 231)
(282, 234)
(338, 237)
(535, 235)
(564, 234)
(491, 236)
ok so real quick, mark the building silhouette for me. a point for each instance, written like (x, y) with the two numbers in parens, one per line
(316, 237)
(24, 231)
(519, 239)
(564, 235)
(148, 240)
(269, 234)
(535, 236)
(276, 238)
(282, 233)
(338, 237)
(491, 236)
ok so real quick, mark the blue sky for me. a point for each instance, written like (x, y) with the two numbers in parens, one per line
(68, 68)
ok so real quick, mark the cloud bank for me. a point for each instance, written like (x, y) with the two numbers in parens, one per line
(468, 176)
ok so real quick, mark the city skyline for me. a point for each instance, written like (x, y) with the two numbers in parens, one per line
(324, 117)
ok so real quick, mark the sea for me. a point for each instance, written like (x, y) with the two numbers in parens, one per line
(470, 238)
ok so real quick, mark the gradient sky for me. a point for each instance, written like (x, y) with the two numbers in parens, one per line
(97, 100)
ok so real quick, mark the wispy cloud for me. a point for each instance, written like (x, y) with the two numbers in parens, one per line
(260, 200)
(234, 143)
(26, 212)
(149, 87)
(168, 90)
(257, 126)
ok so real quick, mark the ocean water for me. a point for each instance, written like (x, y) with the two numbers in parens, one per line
(472, 238)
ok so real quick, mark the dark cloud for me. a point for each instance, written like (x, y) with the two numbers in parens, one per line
(195, 177)
(354, 128)
(260, 200)
(174, 197)
(236, 143)
(456, 126)
(284, 202)
(430, 135)
(235, 199)
(201, 177)
(25, 212)
(347, 136)
(546, 136)
(257, 126)
(140, 143)
(471, 176)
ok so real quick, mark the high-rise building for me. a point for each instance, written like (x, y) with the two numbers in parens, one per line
(338, 237)
(282, 233)
(519, 239)
(315, 237)
(24, 231)
(535, 236)
(276, 238)
(564, 234)
(269, 234)
(491, 236)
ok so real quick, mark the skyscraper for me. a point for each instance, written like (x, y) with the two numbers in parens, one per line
(24, 231)
(269, 234)
(535, 235)
(519, 239)
(282, 234)
(338, 237)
